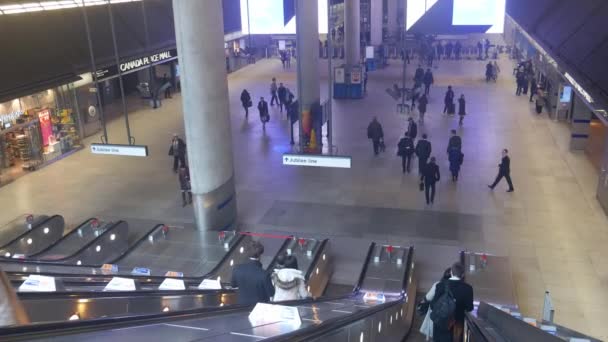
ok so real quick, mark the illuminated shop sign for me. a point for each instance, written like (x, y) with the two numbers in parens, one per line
(579, 88)
(136, 64)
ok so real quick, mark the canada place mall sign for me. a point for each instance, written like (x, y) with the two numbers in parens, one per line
(136, 64)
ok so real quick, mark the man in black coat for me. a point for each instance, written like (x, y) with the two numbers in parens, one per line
(504, 170)
(263, 110)
(412, 128)
(405, 150)
(448, 101)
(253, 282)
(430, 176)
(375, 132)
(428, 80)
(423, 152)
(282, 92)
(418, 76)
(454, 142)
(463, 294)
(178, 151)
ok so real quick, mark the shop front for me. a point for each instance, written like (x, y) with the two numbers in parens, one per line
(36, 130)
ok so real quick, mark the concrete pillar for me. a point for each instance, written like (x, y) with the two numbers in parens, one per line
(392, 25)
(200, 45)
(581, 121)
(352, 32)
(376, 18)
(307, 42)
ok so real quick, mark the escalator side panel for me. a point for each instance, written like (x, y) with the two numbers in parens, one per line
(44, 233)
(106, 247)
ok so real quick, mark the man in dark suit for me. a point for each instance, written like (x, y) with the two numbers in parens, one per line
(376, 134)
(412, 128)
(429, 177)
(178, 151)
(423, 152)
(405, 151)
(504, 170)
(253, 282)
(463, 294)
(455, 142)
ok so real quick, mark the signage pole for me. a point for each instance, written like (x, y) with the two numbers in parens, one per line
(104, 137)
(403, 40)
(330, 81)
(130, 139)
(152, 81)
(299, 78)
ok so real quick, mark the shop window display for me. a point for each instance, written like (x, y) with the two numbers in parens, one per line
(34, 137)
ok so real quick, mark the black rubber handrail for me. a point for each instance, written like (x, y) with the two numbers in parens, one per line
(372, 246)
(315, 259)
(110, 229)
(114, 294)
(149, 280)
(135, 245)
(73, 231)
(283, 247)
(474, 325)
(30, 230)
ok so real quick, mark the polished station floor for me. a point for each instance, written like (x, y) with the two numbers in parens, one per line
(551, 228)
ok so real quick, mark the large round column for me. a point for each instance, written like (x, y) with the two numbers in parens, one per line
(200, 45)
(392, 8)
(352, 32)
(307, 43)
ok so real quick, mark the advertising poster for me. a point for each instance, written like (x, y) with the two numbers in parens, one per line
(46, 127)
(355, 76)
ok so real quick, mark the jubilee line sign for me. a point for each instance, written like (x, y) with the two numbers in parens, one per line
(120, 150)
(341, 162)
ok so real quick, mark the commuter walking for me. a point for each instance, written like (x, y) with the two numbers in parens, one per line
(489, 71)
(448, 50)
(178, 152)
(253, 283)
(461, 109)
(184, 185)
(430, 176)
(448, 101)
(455, 142)
(504, 170)
(495, 70)
(289, 282)
(520, 80)
(422, 102)
(428, 80)
(418, 76)
(246, 102)
(540, 100)
(405, 149)
(455, 157)
(427, 325)
(376, 134)
(450, 299)
(412, 129)
(164, 81)
(423, 152)
(533, 88)
(282, 92)
(439, 51)
(273, 92)
(263, 110)
(457, 50)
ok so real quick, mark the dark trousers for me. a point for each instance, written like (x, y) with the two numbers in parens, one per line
(507, 176)
(532, 92)
(186, 197)
(429, 192)
(246, 111)
(427, 89)
(519, 89)
(273, 98)
(421, 164)
(406, 160)
(281, 104)
(447, 335)
(539, 109)
(168, 93)
(376, 144)
(178, 159)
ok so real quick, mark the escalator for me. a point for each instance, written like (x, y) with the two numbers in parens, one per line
(47, 307)
(28, 234)
(380, 308)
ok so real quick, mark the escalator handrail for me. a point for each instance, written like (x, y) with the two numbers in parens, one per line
(109, 230)
(113, 294)
(316, 331)
(370, 250)
(135, 245)
(315, 259)
(473, 324)
(38, 225)
(270, 266)
(58, 241)
(148, 279)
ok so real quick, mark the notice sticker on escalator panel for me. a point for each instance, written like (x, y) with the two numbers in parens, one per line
(120, 284)
(38, 283)
(141, 271)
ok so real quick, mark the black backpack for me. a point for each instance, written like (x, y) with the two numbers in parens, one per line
(442, 308)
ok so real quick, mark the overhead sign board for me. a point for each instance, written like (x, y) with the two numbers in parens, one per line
(136, 64)
(340, 162)
(120, 150)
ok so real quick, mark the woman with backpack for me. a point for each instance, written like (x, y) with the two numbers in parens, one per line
(288, 281)
(427, 325)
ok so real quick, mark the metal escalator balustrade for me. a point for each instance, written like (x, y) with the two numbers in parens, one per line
(34, 233)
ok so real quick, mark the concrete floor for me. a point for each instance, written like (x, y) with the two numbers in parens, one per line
(552, 227)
